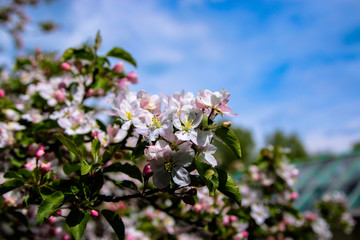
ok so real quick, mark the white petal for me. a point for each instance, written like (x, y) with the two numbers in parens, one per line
(180, 176)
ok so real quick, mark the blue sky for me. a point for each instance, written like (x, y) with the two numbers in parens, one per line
(291, 65)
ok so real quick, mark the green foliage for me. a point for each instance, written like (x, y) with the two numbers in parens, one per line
(70, 145)
(131, 170)
(115, 222)
(291, 141)
(208, 174)
(48, 206)
(120, 53)
(228, 186)
(77, 221)
(230, 139)
(10, 185)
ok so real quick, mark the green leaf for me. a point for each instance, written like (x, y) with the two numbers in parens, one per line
(127, 184)
(121, 54)
(85, 167)
(138, 150)
(69, 168)
(109, 153)
(45, 126)
(97, 41)
(95, 149)
(22, 174)
(48, 206)
(10, 185)
(77, 221)
(70, 145)
(228, 187)
(115, 222)
(131, 170)
(230, 139)
(208, 174)
(81, 53)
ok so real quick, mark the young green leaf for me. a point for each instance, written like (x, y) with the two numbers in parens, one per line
(48, 206)
(77, 221)
(228, 187)
(108, 154)
(208, 174)
(70, 145)
(85, 167)
(97, 41)
(115, 222)
(230, 139)
(95, 149)
(69, 168)
(121, 54)
(10, 185)
(131, 170)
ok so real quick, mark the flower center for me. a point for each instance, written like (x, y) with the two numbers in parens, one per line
(156, 122)
(128, 115)
(168, 166)
(188, 125)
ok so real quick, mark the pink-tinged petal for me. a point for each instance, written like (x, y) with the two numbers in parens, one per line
(161, 178)
(180, 176)
(210, 159)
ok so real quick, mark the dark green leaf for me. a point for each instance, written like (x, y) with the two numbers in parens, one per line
(127, 184)
(48, 206)
(95, 149)
(230, 139)
(138, 151)
(45, 125)
(77, 221)
(115, 222)
(131, 170)
(228, 187)
(10, 185)
(82, 53)
(208, 174)
(70, 145)
(109, 153)
(121, 54)
(19, 174)
(69, 168)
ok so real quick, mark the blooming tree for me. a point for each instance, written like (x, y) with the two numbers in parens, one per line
(148, 170)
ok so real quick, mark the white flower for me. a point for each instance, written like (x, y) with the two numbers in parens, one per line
(168, 164)
(259, 213)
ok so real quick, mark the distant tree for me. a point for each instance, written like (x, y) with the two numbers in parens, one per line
(13, 18)
(247, 144)
(291, 141)
(356, 147)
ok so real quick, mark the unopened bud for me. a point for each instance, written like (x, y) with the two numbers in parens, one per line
(147, 171)
(62, 85)
(90, 92)
(119, 67)
(44, 168)
(2, 93)
(227, 124)
(39, 153)
(65, 66)
(132, 77)
(100, 92)
(59, 96)
(245, 233)
(94, 213)
(294, 195)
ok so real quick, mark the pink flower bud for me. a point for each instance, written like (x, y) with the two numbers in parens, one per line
(51, 219)
(197, 208)
(245, 233)
(100, 92)
(58, 212)
(39, 153)
(59, 96)
(2, 93)
(227, 124)
(123, 82)
(310, 216)
(65, 66)
(132, 77)
(95, 135)
(94, 213)
(233, 218)
(147, 171)
(90, 92)
(294, 195)
(119, 67)
(66, 237)
(44, 168)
